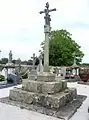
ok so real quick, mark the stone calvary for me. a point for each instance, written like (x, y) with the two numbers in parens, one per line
(45, 91)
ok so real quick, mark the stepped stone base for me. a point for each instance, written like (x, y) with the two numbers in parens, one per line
(44, 87)
(64, 113)
(46, 93)
(47, 100)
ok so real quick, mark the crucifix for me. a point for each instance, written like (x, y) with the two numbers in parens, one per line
(47, 30)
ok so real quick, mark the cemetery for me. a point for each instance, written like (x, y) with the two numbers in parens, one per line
(45, 88)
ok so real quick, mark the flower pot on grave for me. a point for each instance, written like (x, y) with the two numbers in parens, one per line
(84, 75)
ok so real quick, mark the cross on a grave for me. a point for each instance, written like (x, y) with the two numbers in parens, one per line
(47, 16)
(34, 60)
(40, 59)
(74, 55)
(47, 30)
(10, 57)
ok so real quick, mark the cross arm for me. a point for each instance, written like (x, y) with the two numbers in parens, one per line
(52, 10)
(42, 12)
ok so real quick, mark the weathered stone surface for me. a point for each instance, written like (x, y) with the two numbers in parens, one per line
(46, 77)
(32, 75)
(64, 85)
(64, 112)
(44, 87)
(32, 86)
(57, 100)
(51, 87)
(51, 101)
(21, 96)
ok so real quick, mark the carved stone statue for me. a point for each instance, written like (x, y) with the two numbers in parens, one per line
(34, 60)
(40, 66)
(47, 5)
(10, 57)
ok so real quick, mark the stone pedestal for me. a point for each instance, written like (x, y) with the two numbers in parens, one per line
(44, 87)
(46, 77)
(45, 92)
(32, 75)
(55, 101)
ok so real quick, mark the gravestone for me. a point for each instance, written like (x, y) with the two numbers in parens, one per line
(10, 60)
(11, 70)
(75, 67)
(32, 75)
(18, 63)
(4, 73)
(10, 57)
(40, 66)
(63, 72)
(10, 64)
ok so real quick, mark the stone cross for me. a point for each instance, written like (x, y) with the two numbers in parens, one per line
(74, 55)
(34, 60)
(10, 57)
(40, 63)
(47, 30)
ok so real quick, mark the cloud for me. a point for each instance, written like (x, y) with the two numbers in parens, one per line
(22, 27)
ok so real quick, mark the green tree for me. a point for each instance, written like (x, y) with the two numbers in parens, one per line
(4, 60)
(61, 49)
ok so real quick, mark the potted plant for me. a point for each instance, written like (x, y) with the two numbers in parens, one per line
(84, 74)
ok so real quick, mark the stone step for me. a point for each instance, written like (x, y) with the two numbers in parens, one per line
(44, 87)
(46, 77)
(51, 101)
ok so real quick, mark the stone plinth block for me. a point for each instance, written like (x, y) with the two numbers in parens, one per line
(46, 77)
(32, 75)
(64, 84)
(21, 96)
(44, 87)
(58, 100)
(51, 87)
(32, 86)
(51, 101)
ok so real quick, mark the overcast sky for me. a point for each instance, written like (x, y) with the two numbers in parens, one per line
(22, 27)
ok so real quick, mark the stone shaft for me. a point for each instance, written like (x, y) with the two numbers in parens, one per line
(46, 53)
(47, 31)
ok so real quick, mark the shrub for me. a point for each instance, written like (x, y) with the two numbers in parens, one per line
(9, 79)
(84, 74)
(24, 75)
(2, 78)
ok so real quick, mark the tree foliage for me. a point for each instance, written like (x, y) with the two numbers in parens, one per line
(61, 49)
(4, 61)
